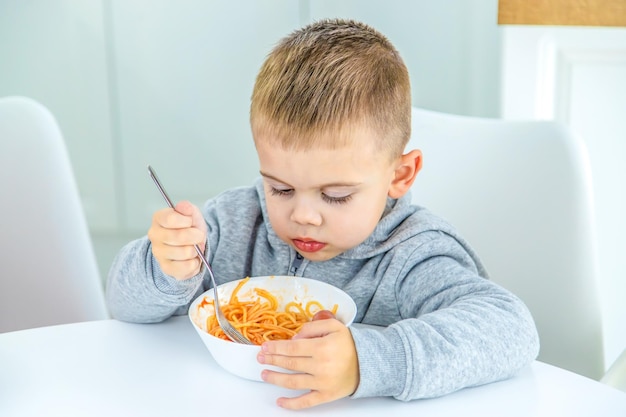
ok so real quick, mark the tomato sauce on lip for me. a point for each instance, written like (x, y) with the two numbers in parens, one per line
(308, 245)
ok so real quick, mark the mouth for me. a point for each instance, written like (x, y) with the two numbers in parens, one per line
(308, 245)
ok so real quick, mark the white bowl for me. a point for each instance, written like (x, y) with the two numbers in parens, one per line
(240, 359)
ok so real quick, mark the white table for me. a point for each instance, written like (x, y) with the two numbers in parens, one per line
(109, 368)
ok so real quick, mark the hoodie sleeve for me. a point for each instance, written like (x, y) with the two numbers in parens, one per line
(138, 291)
(457, 329)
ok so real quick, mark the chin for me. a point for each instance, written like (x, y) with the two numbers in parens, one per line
(319, 256)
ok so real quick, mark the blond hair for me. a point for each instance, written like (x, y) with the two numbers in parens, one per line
(327, 78)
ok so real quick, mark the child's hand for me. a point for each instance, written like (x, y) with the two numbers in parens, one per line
(173, 234)
(324, 357)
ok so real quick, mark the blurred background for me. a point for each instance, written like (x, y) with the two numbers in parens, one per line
(167, 83)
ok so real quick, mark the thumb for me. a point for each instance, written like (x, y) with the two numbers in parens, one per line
(197, 220)
(318, 328)
(187, 209)
(323, 315)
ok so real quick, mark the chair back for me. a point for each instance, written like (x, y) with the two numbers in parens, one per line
(48, 270)
(520, 192)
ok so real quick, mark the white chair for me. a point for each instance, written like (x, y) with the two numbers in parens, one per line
(615, 376)
(520, 192)
(48, 270)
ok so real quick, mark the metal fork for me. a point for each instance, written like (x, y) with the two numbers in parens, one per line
(232, 333)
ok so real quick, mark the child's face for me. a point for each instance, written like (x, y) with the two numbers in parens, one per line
(323, 202)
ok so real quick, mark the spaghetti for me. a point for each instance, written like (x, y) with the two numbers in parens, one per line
(259, 319)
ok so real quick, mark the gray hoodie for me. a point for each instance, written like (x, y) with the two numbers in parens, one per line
(445, 325)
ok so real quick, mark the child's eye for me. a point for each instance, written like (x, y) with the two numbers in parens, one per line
(279, 192)
(336, 200)
(288, 192)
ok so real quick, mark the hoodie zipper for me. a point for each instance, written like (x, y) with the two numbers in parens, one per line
(295, 265)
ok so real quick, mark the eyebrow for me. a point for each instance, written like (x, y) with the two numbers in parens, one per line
(330, 185)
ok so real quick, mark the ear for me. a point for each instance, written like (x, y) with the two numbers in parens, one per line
(406, 170)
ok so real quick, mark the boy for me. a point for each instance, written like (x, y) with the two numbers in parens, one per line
(330, 116)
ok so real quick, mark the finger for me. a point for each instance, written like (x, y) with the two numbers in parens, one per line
(323, 315)
(181, 237)
(293, 381)
(293, 348)
(174, 253)
(197, 221)
(301, 364)
(171, 219)
(181, 270)
(187, 209)
(318, 328)
(310, 399)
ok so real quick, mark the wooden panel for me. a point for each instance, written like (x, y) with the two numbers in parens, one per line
(562, 12)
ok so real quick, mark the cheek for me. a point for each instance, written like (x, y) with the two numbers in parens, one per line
(355, 225)
(363, 217)
(277, 215)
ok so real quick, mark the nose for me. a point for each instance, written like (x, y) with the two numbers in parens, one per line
(305, 213)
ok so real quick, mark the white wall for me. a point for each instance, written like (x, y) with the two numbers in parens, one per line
(54, 52)
(168, 83)
(451, 47)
